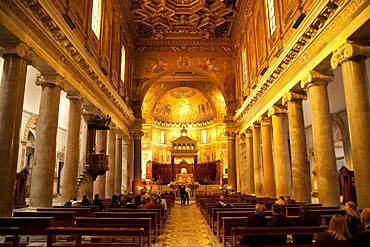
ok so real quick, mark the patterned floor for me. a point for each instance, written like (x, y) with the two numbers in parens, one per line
(186, 227)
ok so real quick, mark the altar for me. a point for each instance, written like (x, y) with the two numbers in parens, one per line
(184, 178)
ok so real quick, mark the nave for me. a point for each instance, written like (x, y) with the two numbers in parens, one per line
(186, 226)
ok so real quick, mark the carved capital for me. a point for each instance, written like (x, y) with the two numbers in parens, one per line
(231, 135)
(74, 95)
(242, 137)
(294, 96)
(313, 77)
(348, 51)
(277, 110)
(248, 133)
(54, 79)
(264, 121)
(21, 49)
(90, 110)
(137, 134)
(113, 126)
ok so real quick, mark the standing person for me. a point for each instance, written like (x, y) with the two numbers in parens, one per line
(186, 195)
(362, 239)
(337, 234)
(257, 219)
(182, 193)
(277, 220)
(305, 219)
(353, 217)
(85, 201)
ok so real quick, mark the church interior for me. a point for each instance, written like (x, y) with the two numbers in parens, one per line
(263, 98)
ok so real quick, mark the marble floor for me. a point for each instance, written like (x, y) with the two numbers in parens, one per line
(186, 227)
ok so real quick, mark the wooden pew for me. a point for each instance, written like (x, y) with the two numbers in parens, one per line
(92, 208)
(291, 211)
(228, 214)
(134, 233)
(153, 215)
(91, 222)
(264, 231)
(28, 226)
(79, 211)
(161, 218)
(61, 218)
(11, 233)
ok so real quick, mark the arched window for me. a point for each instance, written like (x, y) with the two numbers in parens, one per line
(204, 136)
(96, 17)
(271, 14)
(123, 63)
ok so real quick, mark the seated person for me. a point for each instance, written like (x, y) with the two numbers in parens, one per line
(114, 203)
(289, 200)
(277, 220)
(85, 201)
(337, 234)
(255, 220)
(130, 202)
(363, 238)
(222, 204)
(280, 201)
(98, 202)
(305, 219)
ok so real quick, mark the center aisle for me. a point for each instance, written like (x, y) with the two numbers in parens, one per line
(186, 227)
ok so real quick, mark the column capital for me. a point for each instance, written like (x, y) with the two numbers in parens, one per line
(21, 49)
(52, 79)
(275, 110)
(231, 135)
(313, 78)
(137, 134)
(242, 137)
(90, 110)
(75, 95)
(294, 96)
(264, 121)
(113, 126)
(348, 51)
(248, 133)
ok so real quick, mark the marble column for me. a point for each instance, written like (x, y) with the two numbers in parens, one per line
(300, 168)
(231, 160)
(356, 89)
(129, 163)
(267, 158)
(257, 162)
(250, 169)
(118, 166)
(137, 135)
(41, 194)
(327, 175)
(72, 157)
(110, 174)
(101, 147)
(243, 164)
(283, 172)
(16, 58)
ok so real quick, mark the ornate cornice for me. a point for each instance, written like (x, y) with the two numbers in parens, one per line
(70, 54)
(21, 49)
(292, 96)
(347, 51)
(54, 79)
(286, 62)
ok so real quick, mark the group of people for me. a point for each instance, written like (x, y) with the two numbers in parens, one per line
(184, 194)
(342, 230)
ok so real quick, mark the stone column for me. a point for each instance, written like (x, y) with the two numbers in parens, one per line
(231, 160)
(101, 147)
(283, 172)
(72, 157)
(110, 174)
(129, 163)
(118, 166)
(257, 162)
(16, 58)
(250, 169)
(300, 168)
(356, 89)
(137, 135)
(45, 152)
(243, 164)
(267, 158)
(327, 175)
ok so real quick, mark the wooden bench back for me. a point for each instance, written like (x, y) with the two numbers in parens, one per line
(61, 218)
(28, 225)
(79, 211)
(13, 233)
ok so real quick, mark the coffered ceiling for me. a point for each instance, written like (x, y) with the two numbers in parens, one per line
(182, 19)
